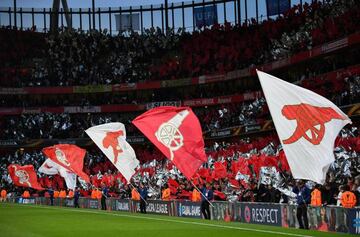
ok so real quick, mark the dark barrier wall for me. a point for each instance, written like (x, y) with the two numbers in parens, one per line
(354, 221)
(328, 219)
(121, 205)
(155, 207)
(257, 213)
(188, 209)
(222, 211)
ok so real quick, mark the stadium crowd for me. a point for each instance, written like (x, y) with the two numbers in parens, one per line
(247, 170)
(65, 125)
(75, 57)
(343, 90)
(333, 76)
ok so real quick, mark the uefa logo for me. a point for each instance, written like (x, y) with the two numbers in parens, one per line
(247, 214)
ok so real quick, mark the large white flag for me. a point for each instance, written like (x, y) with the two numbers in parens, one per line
(49, 167)
(307, 125)
(111, 139)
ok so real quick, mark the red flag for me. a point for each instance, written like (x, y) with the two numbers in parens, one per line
(234, 183)
(220, 194)
(70, 157)
(173, 183)
(24, 176)
(176, 132)
(220, 170)
(203, 172)
(265, 160)
(283, 161)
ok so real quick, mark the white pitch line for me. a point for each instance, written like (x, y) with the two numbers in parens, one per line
(174, 221)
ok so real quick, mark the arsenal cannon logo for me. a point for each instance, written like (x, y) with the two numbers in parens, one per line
(310, 121)
(169, 135)
(60, 156)
(23, 176)
(111, 140)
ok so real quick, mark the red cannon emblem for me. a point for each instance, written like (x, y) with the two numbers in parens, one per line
(111, 140)
(310, 121)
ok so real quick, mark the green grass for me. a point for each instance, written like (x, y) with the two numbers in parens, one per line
(36, 221)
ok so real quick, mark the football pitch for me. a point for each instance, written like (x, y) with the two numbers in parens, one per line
(36, 221)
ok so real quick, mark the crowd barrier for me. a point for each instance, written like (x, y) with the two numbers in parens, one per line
(327, 218)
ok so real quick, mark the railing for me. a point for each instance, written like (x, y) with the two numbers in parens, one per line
(327, 218)
(183, 15)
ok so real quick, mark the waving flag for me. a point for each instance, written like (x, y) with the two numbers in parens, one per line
(176, 132)
(111, 139)
(49, 167)
(70, 157)
(24, 176)
(307, 125)
(219, 170)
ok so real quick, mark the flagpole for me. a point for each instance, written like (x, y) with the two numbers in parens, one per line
(138, 193)
(202, 194)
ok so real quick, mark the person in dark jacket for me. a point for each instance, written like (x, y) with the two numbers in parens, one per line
(303, 197)
(209, 194)
(51, 194)
(104, 196)
(327, 194)
(76, 198)
(275, 195)
(143, 196)
(263, 194)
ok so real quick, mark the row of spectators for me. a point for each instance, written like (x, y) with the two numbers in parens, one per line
(75, 57)
(65, 125)
(48, 125)
(248, 170)
(326, 80)
(225, 48)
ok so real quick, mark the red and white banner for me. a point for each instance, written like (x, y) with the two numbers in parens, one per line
(307, 125)
(176, 132)
(24, 176)
(71, 157)
(49, 167)
(111, 139)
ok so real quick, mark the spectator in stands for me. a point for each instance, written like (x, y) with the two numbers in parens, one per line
(327, 194)
(340, 193)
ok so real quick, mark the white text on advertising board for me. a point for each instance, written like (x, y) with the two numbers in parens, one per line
(190, 210)
(264, 215)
